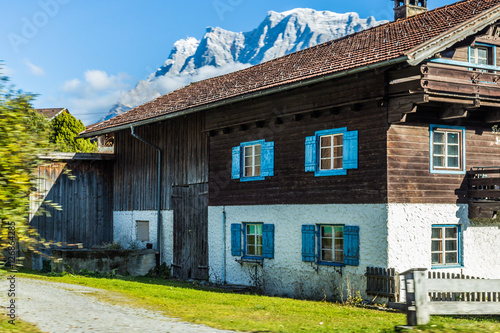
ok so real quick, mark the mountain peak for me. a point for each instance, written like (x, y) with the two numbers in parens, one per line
(221, 51)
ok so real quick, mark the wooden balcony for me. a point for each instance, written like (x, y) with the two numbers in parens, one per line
(483, 185)
(457, 79)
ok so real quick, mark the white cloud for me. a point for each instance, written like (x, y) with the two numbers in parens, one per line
(35, 70)
(90, 98)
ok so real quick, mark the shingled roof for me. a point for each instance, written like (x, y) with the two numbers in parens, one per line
(50, 113)
(402, 40)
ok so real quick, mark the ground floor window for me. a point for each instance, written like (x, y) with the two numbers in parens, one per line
(445, 249)
(332, 243)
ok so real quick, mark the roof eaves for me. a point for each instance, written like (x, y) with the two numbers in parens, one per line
(247, 96)
(445, 40)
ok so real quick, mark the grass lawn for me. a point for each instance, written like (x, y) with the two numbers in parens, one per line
(20, 326)
(255, 313)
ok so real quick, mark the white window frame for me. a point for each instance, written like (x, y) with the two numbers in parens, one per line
(256, 161)
(257, 236)
(445, 129)
(442, 241)
(333, 157)
(333, 249)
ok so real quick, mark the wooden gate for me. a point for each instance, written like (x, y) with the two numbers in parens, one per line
(190, 205)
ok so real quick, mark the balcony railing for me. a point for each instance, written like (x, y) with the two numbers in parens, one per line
(483, 184)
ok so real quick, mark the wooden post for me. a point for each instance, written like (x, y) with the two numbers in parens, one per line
(416, 297)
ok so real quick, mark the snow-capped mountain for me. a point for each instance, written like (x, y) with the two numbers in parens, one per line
(221, 51)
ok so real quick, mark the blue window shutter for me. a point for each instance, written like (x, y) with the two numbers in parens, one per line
(267, 159)
(236, 239)
(308, 237)
(268, 241)
(351, 245)
(311, 152)
(351, 150)
(236, 169)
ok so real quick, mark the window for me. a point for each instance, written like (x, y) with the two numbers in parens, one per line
(258, 240)
(253, 239)
(482, 54)
(337, 245)
(142, 231)
(445, 249)
(447, 149)
(253, 161)
(331, 243)
(331, 152)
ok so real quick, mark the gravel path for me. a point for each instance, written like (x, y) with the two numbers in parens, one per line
(59, 307)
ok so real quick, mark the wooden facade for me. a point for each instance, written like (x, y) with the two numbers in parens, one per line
(184, 185)
(84, 190)
(353, 102)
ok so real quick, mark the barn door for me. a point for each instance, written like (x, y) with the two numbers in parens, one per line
(190, 205)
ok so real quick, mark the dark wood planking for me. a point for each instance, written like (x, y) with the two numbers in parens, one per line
(409, 177)
(290, 183)
(83, 218)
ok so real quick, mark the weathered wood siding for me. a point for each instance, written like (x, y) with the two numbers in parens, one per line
(86, 216)
(185, 156)
(409, 178)
(300, 113)
(184, 184)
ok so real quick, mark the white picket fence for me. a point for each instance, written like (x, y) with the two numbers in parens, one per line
(429, 293)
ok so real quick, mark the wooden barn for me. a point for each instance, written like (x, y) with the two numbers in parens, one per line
(377, 149)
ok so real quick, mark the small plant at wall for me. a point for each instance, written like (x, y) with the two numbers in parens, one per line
(495, 129)
(160, 272)
(352, 296)
(256, 281)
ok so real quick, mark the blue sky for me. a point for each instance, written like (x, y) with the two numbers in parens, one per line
(82, 54)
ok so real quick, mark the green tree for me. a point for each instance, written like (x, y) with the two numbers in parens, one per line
(23, 137)
(65, 129)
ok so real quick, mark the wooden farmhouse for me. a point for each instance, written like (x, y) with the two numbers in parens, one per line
(377, 149)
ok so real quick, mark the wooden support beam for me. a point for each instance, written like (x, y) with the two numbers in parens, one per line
(492, 117)
(259, 124)
(297, 117)
(278, 121)
(454, 112)
(315, 114)
(226, 130)
(243, 127)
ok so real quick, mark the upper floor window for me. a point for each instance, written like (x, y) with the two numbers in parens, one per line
(447, 149)
(253, 160)
(482, 54)
(331, 152)
(445, 249)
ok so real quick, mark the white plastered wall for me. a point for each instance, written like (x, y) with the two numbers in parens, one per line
(287, 274)
(409, 239)
(124, 230)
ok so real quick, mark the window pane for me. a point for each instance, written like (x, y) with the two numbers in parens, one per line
(438, 161)
(326, 164)
(451, 258)
(326, 152)
(327, 255)
(451, 245)
(251, 250)
(248, 161)
(452, 150)
(438, 137)
(248, 172)
(259, 251)
(251, 240)
(453, 162)
(436, 232)
(436, 245)
(339, 256)
(438, 149)
(326, 141)
(257, 171)
(257, 150)
(257, 159)
(251, 228)
(326, 243)
(453, 138)
(327, 231)
(248, 150)
(337, 163)
(339, 244)
(339, 231)
(451, 232)
(436, 258)
(338, 140)
(338, 151)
